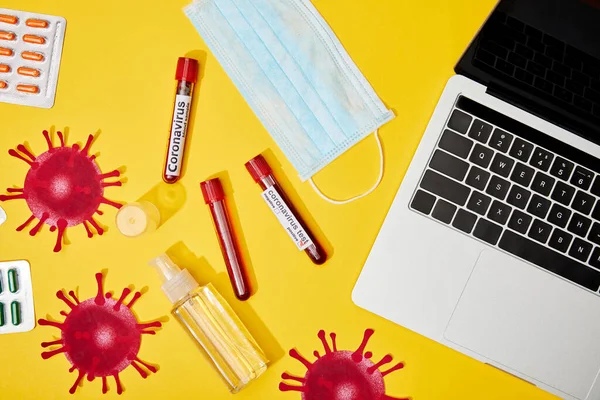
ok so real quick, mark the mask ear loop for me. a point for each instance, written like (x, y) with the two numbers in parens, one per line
(368, 192)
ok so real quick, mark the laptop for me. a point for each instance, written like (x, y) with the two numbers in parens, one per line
(492, 244)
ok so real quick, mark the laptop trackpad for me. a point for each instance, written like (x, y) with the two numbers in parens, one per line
(531, 322)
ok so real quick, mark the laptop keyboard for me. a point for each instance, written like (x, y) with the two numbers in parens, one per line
(536, 61)
(517, 189)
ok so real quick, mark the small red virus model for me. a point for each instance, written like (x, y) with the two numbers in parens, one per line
(100, 336)
(341, 374)
(64, 187)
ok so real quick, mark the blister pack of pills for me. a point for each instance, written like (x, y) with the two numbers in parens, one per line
(30, 51)
(16, 297)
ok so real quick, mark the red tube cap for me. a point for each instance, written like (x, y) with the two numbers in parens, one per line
(258, 168)
(212, 190)
(187, 70)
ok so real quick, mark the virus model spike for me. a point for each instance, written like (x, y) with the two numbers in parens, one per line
(341, 374)
(100, 337)
(63, 188)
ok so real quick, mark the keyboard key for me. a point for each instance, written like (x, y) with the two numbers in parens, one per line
(543, 85)
(524, 51)
(563, 193)
(486, 57)
(499, 212)
(522, 174)
(562, 168)
(449, 165)
(582, 178)
(595, 258)
(583, 202)
(580, 250)
(498, 187)
(541, 159)
(502, 165)
(477, 178)
(518, 197)
(550, 260)
(444, 211)
(456, 144)
(480, 131)
(559, 215)
(459, 121)
(479, 203)
(540, 231)
(423, 202)
(517, 60)
(539, 206)
(579, 225)
(542, 184)
(560, 240)
(487, 231)
(521, 150)
(501, 140)
(542, 60)
(596, 186)
(481, 156)
(536, 69)
(519, 221)
(561, 69)
(505, 67)
(445, 187)
(524, 76)
(464, 221)
(555, 78)
(563, 94)
(594, 235)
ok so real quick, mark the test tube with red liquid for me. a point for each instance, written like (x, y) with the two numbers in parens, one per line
(214, 196)
(186, 76)
(284, 210)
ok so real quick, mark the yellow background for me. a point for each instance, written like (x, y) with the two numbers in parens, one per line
(117, 76)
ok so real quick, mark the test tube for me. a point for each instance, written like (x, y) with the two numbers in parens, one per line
(186, 76)
(214, 196)
(284, 210)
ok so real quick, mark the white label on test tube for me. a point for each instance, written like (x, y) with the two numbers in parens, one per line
(286, 218)
(181, 116)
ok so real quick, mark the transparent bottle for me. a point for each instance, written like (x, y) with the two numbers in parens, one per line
(212, 322)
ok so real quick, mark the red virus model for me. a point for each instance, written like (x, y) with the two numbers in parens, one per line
(64, 187)
(342, 374)
(100, 336)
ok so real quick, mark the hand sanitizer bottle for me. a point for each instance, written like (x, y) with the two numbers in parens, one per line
(211, 321)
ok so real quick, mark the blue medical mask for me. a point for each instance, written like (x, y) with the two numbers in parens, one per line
(295, 75)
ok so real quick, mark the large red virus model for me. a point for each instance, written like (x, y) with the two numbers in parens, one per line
(341, 374)
(64, 187)
(100, 336)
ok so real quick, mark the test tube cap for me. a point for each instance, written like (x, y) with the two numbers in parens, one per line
(258, 168)
(212, 190)
(187, 70)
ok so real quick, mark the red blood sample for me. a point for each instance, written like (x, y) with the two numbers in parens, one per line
(285, 211)
(64, 187)
(186, 76)
(100, 336)
(341, 374)
(214, 196)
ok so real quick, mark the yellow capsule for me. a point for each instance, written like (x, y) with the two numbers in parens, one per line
(6, 52)
(32, 56)
(8, 19)
(36, 23)
(4, 68)
(28, 89)
(34, 39)
(7, 35)
(27, 71)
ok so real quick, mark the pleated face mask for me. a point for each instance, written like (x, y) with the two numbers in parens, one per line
(295, 75)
